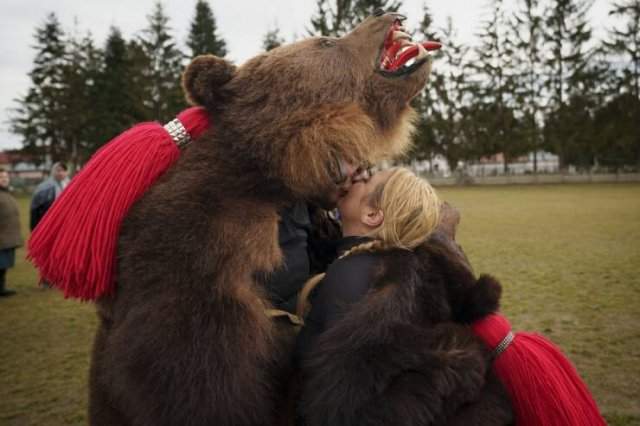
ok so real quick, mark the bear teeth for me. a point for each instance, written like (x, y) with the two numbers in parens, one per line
(422, 52)
(400, 35)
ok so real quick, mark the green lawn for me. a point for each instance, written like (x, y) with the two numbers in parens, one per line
(567, 255)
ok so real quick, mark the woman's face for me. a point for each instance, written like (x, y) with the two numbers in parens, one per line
(4, 179)
(352, 205)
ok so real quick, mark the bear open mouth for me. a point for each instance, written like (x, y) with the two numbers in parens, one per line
(400, 55)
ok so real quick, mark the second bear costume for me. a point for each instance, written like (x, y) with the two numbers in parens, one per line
(403, 355)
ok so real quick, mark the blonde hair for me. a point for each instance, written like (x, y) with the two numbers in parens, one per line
(411, 211)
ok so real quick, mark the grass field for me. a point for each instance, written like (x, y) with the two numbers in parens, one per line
(567, 255)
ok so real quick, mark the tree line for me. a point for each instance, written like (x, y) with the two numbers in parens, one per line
(536, 80)
(82, 95)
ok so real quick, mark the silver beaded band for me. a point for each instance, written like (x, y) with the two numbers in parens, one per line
(502, 346)
(178, 133)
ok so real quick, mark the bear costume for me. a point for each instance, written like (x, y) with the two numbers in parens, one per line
(185, 339)
(405, 354)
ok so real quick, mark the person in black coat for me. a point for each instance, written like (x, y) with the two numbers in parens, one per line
(47, 192)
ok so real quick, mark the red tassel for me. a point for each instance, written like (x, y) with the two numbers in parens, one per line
(74, 245)
(544, 386)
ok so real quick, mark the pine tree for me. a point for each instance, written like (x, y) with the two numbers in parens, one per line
(334, 18)
(202, 36)
(567, 33)
(625, 43)
(78, 120)
(425, 146)
(527, 29)
(272, 39)
(139, 80)
(441, 125)
(618, 122)
(617, 128)
(572, 83)
(495, 88)
(164, 96)
(118, 93)
(450, 90)
(36, 117)
(425, 29)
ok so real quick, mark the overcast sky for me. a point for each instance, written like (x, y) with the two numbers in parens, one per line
(242, 23)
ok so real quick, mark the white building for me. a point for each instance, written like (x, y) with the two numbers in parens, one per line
(494, 165)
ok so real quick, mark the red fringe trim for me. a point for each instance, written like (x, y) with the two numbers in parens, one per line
(74, 245)
(544, 386)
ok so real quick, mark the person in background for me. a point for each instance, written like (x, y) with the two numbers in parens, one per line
(47, 192)
(10, 237)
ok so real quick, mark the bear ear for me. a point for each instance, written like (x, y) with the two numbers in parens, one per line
(204, 78)
(470, 298)
(481, 299)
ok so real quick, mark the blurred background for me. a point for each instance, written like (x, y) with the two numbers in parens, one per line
(521, 87)
(530, 125)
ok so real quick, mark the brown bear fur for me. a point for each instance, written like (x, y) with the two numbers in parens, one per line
(185, 339)
(404, 355)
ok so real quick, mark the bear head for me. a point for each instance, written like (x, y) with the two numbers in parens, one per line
(301, 111)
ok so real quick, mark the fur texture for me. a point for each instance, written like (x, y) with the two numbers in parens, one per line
(185, 340)
(403, 355)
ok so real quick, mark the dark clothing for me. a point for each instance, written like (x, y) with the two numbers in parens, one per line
(46, 193)
(325, 236)
(3, 274)
(346, 282)
(307, 237)
(40, 203)
(284, 284)
(10, 236)
(7, 258)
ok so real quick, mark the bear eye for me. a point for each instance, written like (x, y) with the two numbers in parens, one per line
(327, 42)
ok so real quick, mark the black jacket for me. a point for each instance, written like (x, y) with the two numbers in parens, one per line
(40, 204)
(346, 282)
(307, 237)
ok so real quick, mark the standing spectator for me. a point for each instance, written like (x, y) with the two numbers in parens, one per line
(47, 192)
(10, 236)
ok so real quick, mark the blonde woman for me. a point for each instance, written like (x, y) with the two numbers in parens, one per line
(380, 344)
(392, 209)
